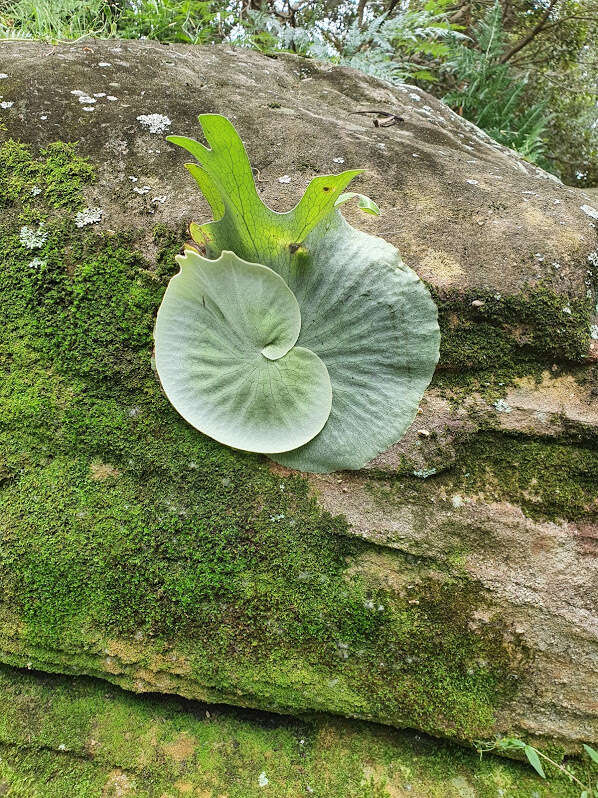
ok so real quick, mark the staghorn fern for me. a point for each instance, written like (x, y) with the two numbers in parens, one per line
(298, 336)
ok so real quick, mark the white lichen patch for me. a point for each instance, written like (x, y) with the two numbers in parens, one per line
(104, 64)
(88, 216)
(338, 160)
(6, 104)
(3, 75)
(472, 182)
(37, 263)
(502, 406)
(262, 780)
(594, 332)
(284, 179)
(35, 191)
(160, 199)
(157, 123)
(567, 310)
(88, 108)
(142, 190)
(83, 97)
(33, 239)
(415, 97)
(424, 473)
(111, 98)
(591, 212)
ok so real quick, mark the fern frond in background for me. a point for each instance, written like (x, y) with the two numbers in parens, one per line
(487, 93)
(405, 47)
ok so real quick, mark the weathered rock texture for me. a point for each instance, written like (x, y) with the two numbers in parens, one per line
(458, 594)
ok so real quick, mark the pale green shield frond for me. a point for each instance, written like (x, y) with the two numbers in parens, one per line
(374, 324)
(226, 356)
(364, 313)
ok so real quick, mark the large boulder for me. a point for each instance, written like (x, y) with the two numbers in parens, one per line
(451, 585)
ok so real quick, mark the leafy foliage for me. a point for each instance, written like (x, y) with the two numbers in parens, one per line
(387, 47)
(536, 758)
(391, 47)
(360, 312)
(187, 21)
(487, 95)
(51, 19)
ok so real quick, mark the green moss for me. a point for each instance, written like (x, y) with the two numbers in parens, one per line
(81, 738)
(58, 174)
(505, 337)
(119, 521)
(546, 478)
(168, 241)
(262, 607)
(549, 479)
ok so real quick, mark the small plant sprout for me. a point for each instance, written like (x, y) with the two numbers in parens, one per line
(291, 334)
(536, 757)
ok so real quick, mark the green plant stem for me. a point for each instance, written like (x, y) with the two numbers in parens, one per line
(562, 769)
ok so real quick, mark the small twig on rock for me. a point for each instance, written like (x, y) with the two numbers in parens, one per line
(388, 119)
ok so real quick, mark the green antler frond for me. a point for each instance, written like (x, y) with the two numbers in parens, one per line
(243, 222)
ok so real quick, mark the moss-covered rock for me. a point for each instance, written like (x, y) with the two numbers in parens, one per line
(81, 738)
(455, 595)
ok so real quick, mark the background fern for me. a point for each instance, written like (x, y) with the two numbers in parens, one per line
(486, 93)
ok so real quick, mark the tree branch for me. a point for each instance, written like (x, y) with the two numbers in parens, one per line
(360, 12)
(562, 20)
(525, 40)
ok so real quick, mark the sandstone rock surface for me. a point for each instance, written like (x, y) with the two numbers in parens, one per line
(459, 594)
